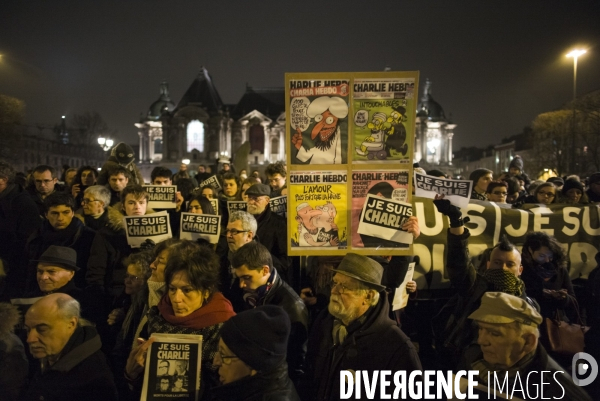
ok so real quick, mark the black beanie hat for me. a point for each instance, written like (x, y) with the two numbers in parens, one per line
(570, 184)
(516, 162)
(123, 153)
(259, 337)
(594, 178)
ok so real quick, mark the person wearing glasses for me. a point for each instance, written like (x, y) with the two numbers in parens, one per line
(276, 176)
(497, 191)
(44, 182)
(355, 333)
(95, 210)
(251, 358)
(544, 194)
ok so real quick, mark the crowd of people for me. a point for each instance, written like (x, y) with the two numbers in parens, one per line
(271, 330)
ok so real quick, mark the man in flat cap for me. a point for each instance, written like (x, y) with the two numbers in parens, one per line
(272, 228)
(355, 333)
(509, 341)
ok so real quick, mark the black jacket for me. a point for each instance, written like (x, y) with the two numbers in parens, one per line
(19, 219)
(76, 236)
(272, 233)
(264, 386)
(376, 344)
(80, 374)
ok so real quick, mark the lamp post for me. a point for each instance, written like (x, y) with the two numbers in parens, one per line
(575, 54)
(105, 143)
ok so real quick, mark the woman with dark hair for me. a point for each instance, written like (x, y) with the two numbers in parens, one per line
(545, 275)
(200, 205)
(209, 192)
(192, 305)
(544, 194)
(481, 179)
(86, 177)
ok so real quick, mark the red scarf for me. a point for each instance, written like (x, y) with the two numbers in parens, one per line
(217, 310)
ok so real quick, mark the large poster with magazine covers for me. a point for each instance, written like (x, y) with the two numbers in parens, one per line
(318, 120)
(318, 210)
(383, 120)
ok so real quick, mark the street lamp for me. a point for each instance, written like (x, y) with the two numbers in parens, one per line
(575, 54)
(105, 143)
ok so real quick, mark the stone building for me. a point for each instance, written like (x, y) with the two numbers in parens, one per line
(202, 129)
(434, 132)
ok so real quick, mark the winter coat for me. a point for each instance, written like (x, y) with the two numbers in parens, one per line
(37, 199)
(552, 385)
(81, 373)
(76, 236)
(376, 344)
(535, 288)
(111, 162)
(272, 233)
(19, 219)
(264, 386)
(14, 367)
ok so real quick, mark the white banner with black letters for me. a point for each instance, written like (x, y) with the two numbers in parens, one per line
(161, 196)
(383, 218)
(458, 192)
(153, 226)
(205, 226)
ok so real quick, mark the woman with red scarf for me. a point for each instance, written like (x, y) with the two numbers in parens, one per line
(192, 305)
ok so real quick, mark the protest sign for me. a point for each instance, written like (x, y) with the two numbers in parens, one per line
(279, 205)
(458, 192)
(232, 206)
(153, 226)
(173, 365)
(161, 196)
(318, 216)
(384, 108)
(205, 226)
(212, 181)
(318, 119)
(400, 295)
(576, 227)
(215, 205)
(383, 218)
(390, 184)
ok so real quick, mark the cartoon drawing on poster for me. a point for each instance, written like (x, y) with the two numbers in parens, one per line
(318, 209)
(383, 113)
(319, 108)
(383, 218)
(387, 184)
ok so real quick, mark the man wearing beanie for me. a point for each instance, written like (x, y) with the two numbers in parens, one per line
(355, 333)
(510, 350)
(252, 357)
(593, 191)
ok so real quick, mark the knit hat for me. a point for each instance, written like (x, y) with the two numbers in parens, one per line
(123, 153)
(259, 190)
(556, 181)
(362, 268)
(570, 184)
(259, 336)
(499, 307)
(436, 173)
(516, 162)
(594, 178)
(60, 256)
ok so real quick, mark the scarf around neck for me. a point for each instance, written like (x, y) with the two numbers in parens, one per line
(217, 309)
(504, 281)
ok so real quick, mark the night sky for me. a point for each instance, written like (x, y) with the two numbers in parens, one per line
(494, 65)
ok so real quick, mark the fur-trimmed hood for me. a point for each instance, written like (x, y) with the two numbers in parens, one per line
(115, 217)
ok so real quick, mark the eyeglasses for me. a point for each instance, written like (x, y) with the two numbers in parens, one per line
(226, 358)
(46, 182)
(500, 193)
(132, 278)
(86, 201)
(233, 232)
(548, 194)
(341, 287)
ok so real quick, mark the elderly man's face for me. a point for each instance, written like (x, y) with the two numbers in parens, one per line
(501, 344)
(47, 330)
(236, 238)
(51, 277)
(257, 204)
(231, 368)
(346, 302)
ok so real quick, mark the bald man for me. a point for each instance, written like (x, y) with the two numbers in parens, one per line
(72, 367)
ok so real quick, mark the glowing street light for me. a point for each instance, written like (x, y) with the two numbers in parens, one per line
(105, 143)
(575, 54)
